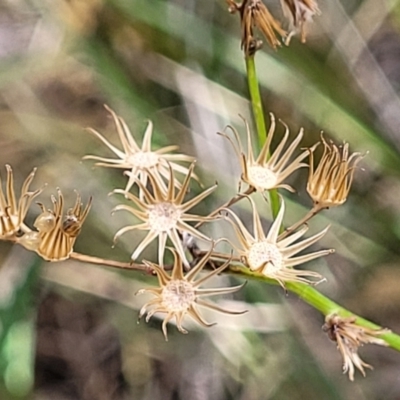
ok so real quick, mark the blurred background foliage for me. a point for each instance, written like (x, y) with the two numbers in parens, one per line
(68, 331)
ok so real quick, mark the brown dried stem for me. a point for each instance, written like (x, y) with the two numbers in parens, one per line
(109, 263)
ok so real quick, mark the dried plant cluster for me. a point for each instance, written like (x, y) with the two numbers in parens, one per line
(157, 200)
(254, 15)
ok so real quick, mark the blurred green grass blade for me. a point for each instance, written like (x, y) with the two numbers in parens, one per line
(16, 334)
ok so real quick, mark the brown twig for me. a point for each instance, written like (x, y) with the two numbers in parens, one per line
(109, 263)
(229, 203)
(314, 211)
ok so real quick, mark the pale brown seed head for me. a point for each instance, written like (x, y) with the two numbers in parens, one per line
(299, 13)
(164, 214)
(13, 210)
(254, 14)
(268, 171)
(272, 257)
(56, 232)
(330, 182)
(137, 161)
(179, 295)
(349, 337)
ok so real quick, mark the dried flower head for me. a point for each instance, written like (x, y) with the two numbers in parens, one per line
(57, 232)
(164, 214)
(13, 211)
(138, 162)
(254, 13)
(272, 257)
(329, 184)
(179, 295)
(349, 337)
(266, 173)
(299, 12)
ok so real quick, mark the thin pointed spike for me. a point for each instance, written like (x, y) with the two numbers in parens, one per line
(191, 275)
(218, 291)
(214, 307)
(146, 143)
(183, 190)
(273, 232)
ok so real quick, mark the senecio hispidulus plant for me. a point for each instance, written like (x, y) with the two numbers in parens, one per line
(156, 197)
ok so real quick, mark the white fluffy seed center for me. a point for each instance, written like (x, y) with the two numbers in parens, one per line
(163, 217)
(178, 295)
(261, 177)
(143, 159)
(265, 257)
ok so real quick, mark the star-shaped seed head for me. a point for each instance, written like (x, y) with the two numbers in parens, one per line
(137, 161)
(164, 214)
(179, 295)
(268, 172)
(274, 257)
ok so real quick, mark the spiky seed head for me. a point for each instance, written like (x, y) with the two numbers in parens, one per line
(13, 210)
(137, 161)
(56, 232)
(349, 336)
(179, 295)
(330, 182)
(274, 257)
(299, 13)
(164, 214)
(269, 169)
(254, 13)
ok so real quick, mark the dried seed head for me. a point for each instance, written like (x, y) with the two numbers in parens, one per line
(272, 257)
(254, 13)
(299, 13)
(139, 162)
(163, 214)
(349, 337)
(57, 233)
(329, 184)
(13, 211)
(268, 172)
(179, 295)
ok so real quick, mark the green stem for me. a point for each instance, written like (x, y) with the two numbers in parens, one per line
(258, 113)
(256, 100)
(318, 301)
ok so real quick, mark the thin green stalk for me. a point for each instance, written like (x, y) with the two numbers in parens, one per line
(318, 301)
(258, 113)
(256, 100)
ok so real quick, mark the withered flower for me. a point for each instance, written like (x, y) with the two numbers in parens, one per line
(349, 337)
(299, 12)
(138, 162)
(271, 257)
(254, 13)
(13, 211)
(57, 232)
(164, 214)
(329, 184)
(179, 295)
(266, 173)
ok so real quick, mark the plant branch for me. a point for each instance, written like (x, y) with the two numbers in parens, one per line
(314, 211)
(227, 204)
(108, 263)
(318, 301)
(258, 113)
